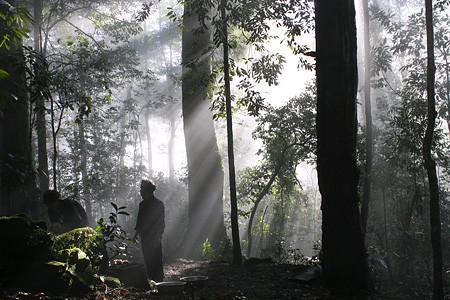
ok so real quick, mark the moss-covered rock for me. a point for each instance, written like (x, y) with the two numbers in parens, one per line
(34, 260)
(49, 276)
(88, 241)
(24, 243)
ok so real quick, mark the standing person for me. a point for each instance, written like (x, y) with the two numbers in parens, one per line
(150, 226)
(64, 214)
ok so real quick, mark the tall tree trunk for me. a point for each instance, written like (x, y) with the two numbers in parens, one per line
(430, 165)
(148, 132)
(368, 114)
(55, 123)
(344, 258)
(41, 125)
(172, 121)
(147, 114)
(84, 172)
(237, 254)
(122, 133)
(171, 144)
(405, 246)
(205, 174)
(16, 182)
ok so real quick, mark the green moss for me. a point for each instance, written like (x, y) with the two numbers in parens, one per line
(88, 241)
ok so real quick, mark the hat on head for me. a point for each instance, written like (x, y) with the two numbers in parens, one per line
(51, 196)
(148, 184)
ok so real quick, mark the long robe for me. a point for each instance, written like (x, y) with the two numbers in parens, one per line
(150, 226)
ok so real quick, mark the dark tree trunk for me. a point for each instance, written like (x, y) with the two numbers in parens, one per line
(17, 182)
(344, 258)
(430, 165)
(237, 254)
(205, 174)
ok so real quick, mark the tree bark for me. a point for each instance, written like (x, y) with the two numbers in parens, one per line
(430, 165)
(205, 174)
(237, 254)
(16, 182)
(344, 258)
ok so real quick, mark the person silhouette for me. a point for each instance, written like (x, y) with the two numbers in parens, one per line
(150, 226)
(64, 214)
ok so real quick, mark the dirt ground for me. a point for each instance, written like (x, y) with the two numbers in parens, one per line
(253, 280)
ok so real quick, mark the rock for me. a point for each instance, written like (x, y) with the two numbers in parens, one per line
(24, 244)
(131, 275)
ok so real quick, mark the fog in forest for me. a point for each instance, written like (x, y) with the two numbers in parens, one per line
(114, 113)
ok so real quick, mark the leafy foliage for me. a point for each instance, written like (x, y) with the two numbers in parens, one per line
(288, 139)
(78, 271)
(250, 21)
(398, 225)
(10, 18)
(219, 253)
(114, 237)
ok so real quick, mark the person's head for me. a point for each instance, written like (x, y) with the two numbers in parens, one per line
(147, 188)
(51, 198)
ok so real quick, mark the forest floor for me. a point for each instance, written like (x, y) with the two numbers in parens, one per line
(255, 280)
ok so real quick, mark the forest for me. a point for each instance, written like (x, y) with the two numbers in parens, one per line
(301, 148)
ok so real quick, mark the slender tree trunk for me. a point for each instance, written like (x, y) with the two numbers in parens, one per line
(404, 265)
(122, 133)
(386, 241)
(56, 125)
(41, 124)
(344, 257)
(259, 199)
(369, 126)
(148, 132)
(84, 172)
(171, 144)
(253, 213)
(430, 165)
(237, 254)
(172, 124)
(205, 174)
(147, 114)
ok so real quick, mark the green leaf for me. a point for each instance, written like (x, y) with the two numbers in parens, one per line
(4, 74)
(114, 205)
